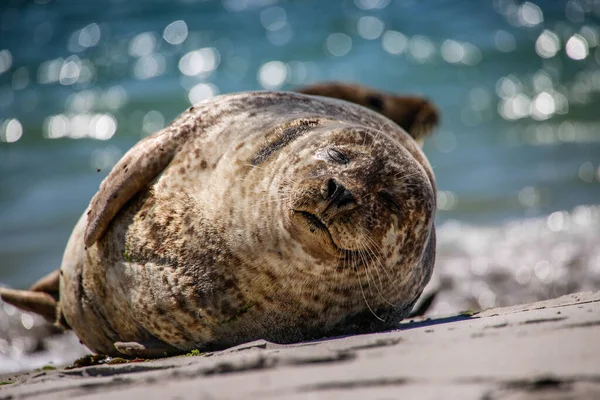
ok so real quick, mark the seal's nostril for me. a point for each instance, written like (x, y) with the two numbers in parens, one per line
(332, 186)
(345, 198)
(338, 195)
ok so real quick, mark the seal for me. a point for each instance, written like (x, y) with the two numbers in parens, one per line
(273, 215)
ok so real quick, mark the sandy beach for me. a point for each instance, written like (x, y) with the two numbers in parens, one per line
(542, 350)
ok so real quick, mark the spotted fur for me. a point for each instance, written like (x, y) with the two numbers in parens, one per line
(271, 215)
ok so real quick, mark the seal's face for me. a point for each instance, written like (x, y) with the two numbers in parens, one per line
(357, 200)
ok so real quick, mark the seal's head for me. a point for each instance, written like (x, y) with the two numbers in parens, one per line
(356, 196)
(348, 201)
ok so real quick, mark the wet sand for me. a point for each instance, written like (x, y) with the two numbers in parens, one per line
(543, 350)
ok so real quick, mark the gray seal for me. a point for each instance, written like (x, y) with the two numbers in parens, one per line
(261, 215)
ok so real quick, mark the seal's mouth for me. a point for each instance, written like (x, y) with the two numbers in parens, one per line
(317, 223)
(314, 220)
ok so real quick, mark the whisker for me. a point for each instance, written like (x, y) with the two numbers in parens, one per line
(376, 258)
(366, 235)
(377, 255)
(381, 283)
(362, 290)
(378, 132)
(400, 175)
(366, 266)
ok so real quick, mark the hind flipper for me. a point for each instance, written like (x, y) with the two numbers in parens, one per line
(41, 298)
(49, 284)
(40, 303)
(414, 114)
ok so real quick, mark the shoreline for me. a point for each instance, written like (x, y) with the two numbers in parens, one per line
(549, 347)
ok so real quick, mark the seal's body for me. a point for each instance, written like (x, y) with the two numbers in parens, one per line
(270, 215)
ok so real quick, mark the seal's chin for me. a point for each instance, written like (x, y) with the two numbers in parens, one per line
(320, 239)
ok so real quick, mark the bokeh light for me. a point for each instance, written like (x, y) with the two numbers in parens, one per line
(370, 28)
(547, 44)
(5, 61)
(394, 42)
(272, 75)
(530, 14)
(338, 44)
(203, 91)
(199, 61)
(577, 47)
(421, 48)
(176, 32)
(11, 130)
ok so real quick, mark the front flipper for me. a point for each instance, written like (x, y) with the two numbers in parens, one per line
(414, 114)
(146, 350)
(140, 165)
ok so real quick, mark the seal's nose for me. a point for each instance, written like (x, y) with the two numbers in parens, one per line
(336, 195)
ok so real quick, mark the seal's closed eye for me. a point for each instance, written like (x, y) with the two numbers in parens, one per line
(337, 156)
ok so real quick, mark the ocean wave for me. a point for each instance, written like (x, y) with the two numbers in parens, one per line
(521, 261)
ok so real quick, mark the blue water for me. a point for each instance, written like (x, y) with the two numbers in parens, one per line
(517, 84)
